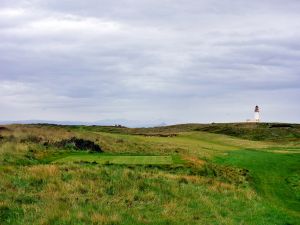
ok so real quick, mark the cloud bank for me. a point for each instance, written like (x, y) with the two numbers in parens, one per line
(173, 61)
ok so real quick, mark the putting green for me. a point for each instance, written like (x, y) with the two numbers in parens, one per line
(117, 159)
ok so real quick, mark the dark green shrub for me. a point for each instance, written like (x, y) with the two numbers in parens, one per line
(10, 215)
(79, 144)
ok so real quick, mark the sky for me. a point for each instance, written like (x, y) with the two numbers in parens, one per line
(172, 61)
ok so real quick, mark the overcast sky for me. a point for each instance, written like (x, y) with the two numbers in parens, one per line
(172, 61)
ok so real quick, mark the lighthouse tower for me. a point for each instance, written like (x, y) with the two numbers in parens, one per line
(256, 114)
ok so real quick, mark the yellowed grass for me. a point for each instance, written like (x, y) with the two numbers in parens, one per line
(170, 209)
(285, 152)
(194, 160)
(43, 171)
(98, 218)
(102, 219)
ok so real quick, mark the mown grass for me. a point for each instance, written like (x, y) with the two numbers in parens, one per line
(193, 189)
(275, 176)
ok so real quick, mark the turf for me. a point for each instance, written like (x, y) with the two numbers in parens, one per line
(276, 176)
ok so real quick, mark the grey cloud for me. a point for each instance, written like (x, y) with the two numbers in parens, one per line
(148, 59)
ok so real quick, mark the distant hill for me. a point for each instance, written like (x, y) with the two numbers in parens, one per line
(123, 122)
(251, 131)
(282, 132)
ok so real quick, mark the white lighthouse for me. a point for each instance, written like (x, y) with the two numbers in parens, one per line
(256, 114)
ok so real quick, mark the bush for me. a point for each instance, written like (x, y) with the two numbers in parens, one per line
(9, 215)
(79, 144)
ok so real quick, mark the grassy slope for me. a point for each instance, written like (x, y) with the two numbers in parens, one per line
(276, 176)
(34, 192)
(202, 144)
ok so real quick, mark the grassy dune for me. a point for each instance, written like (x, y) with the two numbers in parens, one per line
(184, 174)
